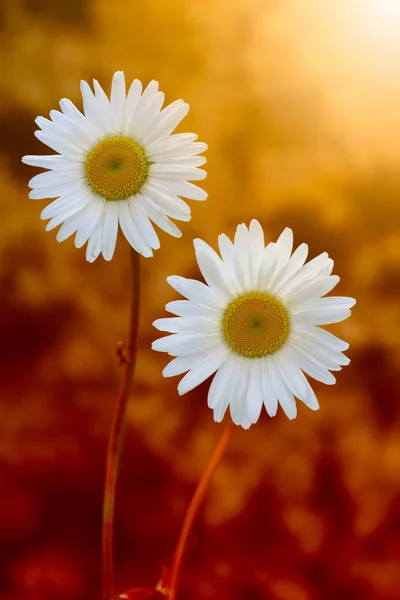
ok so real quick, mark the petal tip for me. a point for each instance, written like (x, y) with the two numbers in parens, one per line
(255, 223)
(165, 374)
(198, 243)
(172, 279)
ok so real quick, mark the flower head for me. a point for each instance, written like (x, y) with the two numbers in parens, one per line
(118, 163)
(255, 322)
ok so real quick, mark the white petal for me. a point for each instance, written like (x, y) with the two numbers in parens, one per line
(70, 225)
(94, 243)
(170, 203)
(242, 256)
(323, 311)
(144, 225)
(65, 214)
(186, 160)
(69, 109)
(226, 248)
(149, 106)
(220, 409)
(109, 230)
(310, 398)
(46, 125)
(186, 190)
(254, 395)
(179, 344)
(158, 217)
(223, 386)
(130, 229)
(256, 239)
(162, 172)
(327, 269)
(203, 369)
(55, 162)
(323, 337)
(92, 106)
(60, 145)
(167, 121)
(212, 269)
(69, 129)
(292, 266)
(308, 272)
(284, 246)
(117, 100)
(237, 404)
(220, 383)
(89, 222)
(324, 354)
(196, 291)
(188, 325)
(75, 187)
(285, 398)
(131, 104)
(105, 117)
(323, 316)
(311, 291)
(180, 365)
(185, 308)
(63, 204)
(227, 251)
(179, 143)
(330, 301)
(312, 367)
(267, 267)
(291, 374)
(269, 396)
(53, 179)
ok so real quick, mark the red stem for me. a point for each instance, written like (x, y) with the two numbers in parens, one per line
(115, 442)
(193, 509)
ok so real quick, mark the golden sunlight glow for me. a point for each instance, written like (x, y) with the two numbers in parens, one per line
(380, 16)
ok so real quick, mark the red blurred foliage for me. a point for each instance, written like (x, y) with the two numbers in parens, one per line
(141, 594)
(300, 134)
(48, 572)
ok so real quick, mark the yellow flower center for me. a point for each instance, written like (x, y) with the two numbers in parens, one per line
(116, 168)
(255, 324)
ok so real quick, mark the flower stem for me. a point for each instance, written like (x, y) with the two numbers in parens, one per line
(194, 507)
(115, 442)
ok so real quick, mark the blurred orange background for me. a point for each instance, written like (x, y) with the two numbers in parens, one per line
(300, 105)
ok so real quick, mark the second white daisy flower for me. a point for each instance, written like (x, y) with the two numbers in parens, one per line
(256, 323)
(117, 166)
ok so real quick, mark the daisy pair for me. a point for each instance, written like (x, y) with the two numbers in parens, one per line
(255, 322)
(118, 165)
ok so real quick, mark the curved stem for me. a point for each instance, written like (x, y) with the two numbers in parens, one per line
(193, 509)
(115, 442)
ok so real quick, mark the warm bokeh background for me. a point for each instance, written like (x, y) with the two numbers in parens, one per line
(299, 102)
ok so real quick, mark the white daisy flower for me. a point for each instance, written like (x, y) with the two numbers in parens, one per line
(256, 323)
(117, 164)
